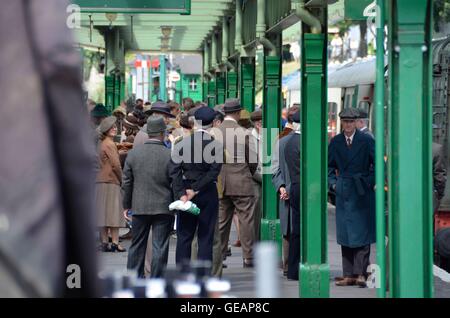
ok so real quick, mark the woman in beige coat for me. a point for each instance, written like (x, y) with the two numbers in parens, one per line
(107, 193)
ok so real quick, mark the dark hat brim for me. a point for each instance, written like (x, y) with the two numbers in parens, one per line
(233, 110)
(158, 111)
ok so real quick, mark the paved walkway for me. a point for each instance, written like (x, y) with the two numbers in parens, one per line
(242, 279)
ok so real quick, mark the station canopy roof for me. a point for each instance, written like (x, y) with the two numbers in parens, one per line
(187, 32)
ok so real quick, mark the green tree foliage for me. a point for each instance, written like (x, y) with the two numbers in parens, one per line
(441, 12)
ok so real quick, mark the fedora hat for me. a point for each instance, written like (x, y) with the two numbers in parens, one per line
(161, 108)
(232, 105)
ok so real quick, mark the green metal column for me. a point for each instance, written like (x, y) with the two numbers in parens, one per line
(232, 85)
(212, 92)
(162, 78)
(220, 87)
(270, 223)
(179, 88)
(248, 83)
(122, 89)
(314, 268)
(130, 86)
(380, 152)
(205, 89)
(117, 91)
(110, 43)
(409, 151)
(150, 81)
(109, 92)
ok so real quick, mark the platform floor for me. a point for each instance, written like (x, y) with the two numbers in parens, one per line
(242, 279)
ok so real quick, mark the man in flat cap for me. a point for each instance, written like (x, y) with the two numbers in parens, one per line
(351, 161)
(238, 193)
(362, 122)
(194, 168)
(147, 192)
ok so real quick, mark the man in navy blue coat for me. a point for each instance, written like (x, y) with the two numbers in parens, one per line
(351, 160)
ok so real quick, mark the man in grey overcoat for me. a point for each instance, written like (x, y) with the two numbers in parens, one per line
(147, 192)
(351, 160)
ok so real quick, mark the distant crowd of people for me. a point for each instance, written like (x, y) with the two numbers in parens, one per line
(154, 155)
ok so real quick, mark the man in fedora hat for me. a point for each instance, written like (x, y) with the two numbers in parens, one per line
(238, 193)
(362, 122)
(351, 176)
(147, 192)
(195, 166)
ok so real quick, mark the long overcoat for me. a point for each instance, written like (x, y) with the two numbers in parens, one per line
(351, 171)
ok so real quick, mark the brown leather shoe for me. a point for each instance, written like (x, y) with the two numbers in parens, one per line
(361, 281)
(338, 278)
(347, 281)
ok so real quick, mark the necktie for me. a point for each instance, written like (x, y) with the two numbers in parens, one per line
(349, 142)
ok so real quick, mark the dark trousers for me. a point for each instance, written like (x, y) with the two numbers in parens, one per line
(355, 260)
(294, 237)
(208, 203)
(161, 226)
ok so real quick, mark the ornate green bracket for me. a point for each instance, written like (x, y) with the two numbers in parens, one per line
(248, 83)
(270, 224)
(409, 152)
(314, 269)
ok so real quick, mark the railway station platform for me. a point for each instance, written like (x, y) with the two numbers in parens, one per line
(242, 279)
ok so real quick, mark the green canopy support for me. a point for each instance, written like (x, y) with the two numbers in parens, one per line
(247, 83)
(220, 88)
(380, 152)
(232, 85)
(270, 223)
(212, 92)
(162, 78)
(314, 268)
(110, 68)
(409, 151)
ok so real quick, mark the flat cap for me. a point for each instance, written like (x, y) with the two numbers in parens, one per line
(256, 115)
(156, 125)
(106, 124)
(232, 105)
(205, 114)
(349, 113)
(363, 114)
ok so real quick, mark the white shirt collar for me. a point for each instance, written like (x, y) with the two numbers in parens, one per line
(351, 137)
(230, 118)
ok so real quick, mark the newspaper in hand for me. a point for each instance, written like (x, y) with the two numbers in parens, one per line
(187, 206)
